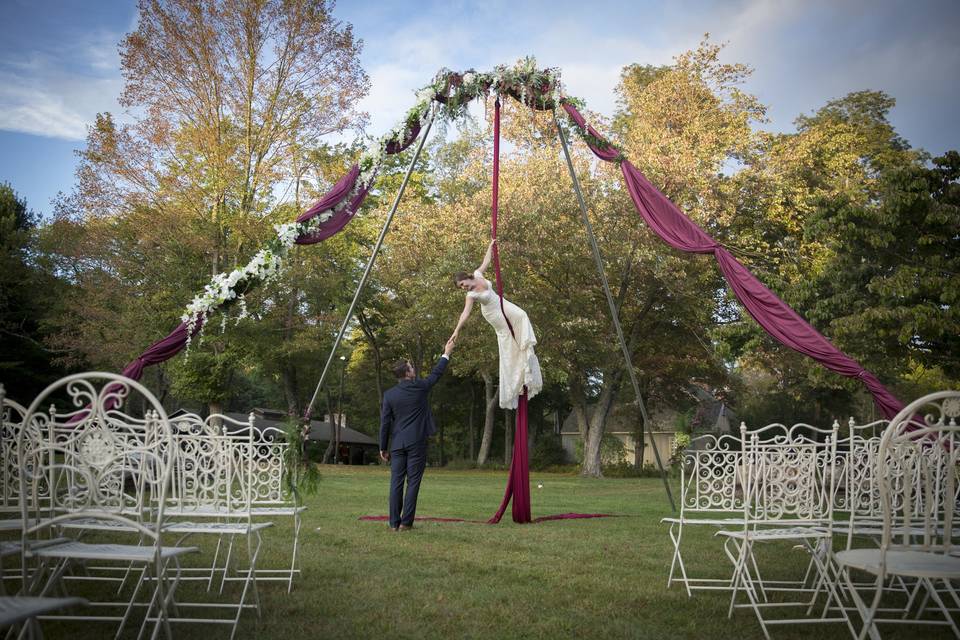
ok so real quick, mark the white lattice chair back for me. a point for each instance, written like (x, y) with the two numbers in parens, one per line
(93, 459)
(11, 418)
(856, 460)
(917, 466)
(267, 467)
(708, 475)
(790, 473)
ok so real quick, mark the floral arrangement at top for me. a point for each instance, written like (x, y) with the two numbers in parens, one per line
(448, 94)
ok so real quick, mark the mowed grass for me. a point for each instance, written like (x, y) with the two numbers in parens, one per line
(598, 578)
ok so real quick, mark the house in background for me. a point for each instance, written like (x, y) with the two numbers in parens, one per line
(711, 415)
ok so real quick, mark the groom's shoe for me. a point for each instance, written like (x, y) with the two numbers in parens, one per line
(394, 528)
(406, 527)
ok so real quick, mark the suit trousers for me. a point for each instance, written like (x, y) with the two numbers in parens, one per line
(407, 463)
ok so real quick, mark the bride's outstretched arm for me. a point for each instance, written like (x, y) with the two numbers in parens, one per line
(486, 259)
(467, 308)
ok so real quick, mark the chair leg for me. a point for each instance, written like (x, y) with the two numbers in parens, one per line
(931, 589)
(130, 604)
(226, 564)
(739, 566)
(297, 522)
(213, 565)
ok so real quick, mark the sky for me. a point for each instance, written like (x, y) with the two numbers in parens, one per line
(59, 62)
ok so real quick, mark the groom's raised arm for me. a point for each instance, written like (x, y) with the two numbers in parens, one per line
(438, 370)
(441, 365)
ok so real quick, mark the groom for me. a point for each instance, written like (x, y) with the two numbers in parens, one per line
(406, 419)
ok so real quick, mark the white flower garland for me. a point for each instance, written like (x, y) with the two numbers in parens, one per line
(263, 267)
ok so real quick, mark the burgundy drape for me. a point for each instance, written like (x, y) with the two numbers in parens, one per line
(518, 482)
(770, 312)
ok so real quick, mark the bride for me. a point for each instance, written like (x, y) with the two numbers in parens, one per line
(519, 366)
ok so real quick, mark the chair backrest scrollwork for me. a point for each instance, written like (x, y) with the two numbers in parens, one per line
(94, 461)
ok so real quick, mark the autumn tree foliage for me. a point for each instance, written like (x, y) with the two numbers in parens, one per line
(227, 104)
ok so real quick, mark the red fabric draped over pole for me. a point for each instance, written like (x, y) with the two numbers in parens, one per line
(774, 315)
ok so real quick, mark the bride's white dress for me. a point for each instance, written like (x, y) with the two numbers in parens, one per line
(519, 366)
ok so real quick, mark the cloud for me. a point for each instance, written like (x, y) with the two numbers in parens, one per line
(57, 91)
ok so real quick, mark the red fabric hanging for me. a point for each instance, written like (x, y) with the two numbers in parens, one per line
(518, 482)
(495, 209)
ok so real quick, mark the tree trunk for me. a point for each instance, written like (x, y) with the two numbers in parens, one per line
(592, 424)
(507, 436)
(490, 398)
(329, 453)
(377, 358)
(215, 407)
(471, 431)
(288, 372)
(639, 444)
(440, 429)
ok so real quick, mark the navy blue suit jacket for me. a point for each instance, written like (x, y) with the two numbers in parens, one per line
(405, 417)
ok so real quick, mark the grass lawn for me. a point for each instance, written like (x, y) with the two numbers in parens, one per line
(600, 578)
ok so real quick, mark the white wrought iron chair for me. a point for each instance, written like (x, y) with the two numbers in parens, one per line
(916, 473)
(790, 485)
(85, 465)
(270, 497)
(710, 488)
(210, 483)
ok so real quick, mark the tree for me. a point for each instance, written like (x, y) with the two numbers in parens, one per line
(831, 217)
(28, 296)
(228, 102)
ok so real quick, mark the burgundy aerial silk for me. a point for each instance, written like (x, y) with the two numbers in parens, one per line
(773, 314)
(495, 209)
(518, 482)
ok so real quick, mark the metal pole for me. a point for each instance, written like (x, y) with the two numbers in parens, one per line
(613, 310)
(369, 267)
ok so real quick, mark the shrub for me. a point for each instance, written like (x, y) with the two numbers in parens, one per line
(681, 441)
(612, 450)
(547, 452)
(625, 469)
(461, 464)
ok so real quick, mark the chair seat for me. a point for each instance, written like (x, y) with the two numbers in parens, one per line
(221, 528)
(215, 512)
(719, 522)
(915, 564)
(118, 552)
(96, 524)
(14, 524)
(277, 511)
(13, 548)
(14, 609)
(789, 533)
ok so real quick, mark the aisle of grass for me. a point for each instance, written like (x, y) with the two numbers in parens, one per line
(601, 578)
